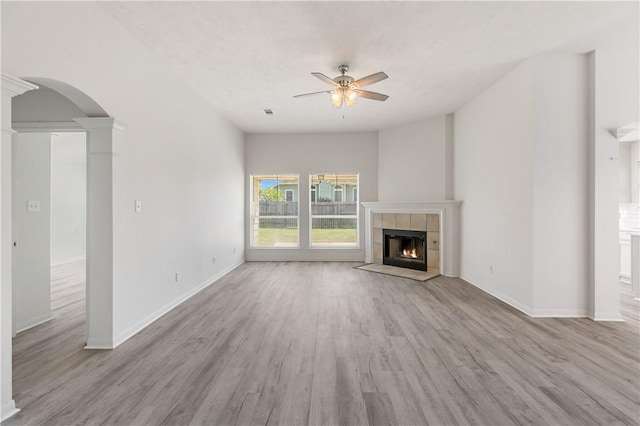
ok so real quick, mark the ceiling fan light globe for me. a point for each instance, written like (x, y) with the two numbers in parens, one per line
(336, 98)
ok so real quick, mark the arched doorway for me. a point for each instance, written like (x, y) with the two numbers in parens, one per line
(99, 128)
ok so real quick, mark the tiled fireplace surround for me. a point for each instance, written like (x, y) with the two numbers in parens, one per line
(440, 220)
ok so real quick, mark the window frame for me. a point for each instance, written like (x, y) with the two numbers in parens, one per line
(252, 217)
(310, 186)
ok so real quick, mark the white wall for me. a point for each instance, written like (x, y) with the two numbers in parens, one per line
(31, 231)
(628, 172)
(634, 159)
(560, 185)
(411, 161)
(313, 153)
(494, 179)
(177, 155)
(624, 173)
(537, 170)
(68, 197)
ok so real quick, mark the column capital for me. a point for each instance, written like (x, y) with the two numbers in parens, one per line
(13, 86)
(100, 123)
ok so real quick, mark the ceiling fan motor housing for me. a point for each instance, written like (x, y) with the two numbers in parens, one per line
(344, 81)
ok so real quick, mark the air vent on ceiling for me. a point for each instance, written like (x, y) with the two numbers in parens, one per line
(268, 111)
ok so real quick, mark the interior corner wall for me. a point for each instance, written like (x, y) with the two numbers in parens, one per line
(560, 185)
(304, 154)
(615, 102)
(68, 197)
(412, 161)
(494, 179)
(31, 230)
(177, 155)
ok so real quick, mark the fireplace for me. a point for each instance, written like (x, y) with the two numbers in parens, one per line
(405, 249)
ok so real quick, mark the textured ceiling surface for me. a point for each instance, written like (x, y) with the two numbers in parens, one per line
(244, 57)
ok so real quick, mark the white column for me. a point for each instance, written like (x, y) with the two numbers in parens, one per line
(99, 299)
(11, 87)
(606, 98)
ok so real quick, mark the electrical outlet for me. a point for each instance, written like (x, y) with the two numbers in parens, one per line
(33, 206)
(138, 206)
(234, 250)
(177, 277)
(491, 269)
(213, 259)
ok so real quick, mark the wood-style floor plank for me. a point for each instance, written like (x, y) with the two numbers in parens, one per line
(324, 343)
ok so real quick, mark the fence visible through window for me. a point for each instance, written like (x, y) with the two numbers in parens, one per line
(274, 211)
(334, 210)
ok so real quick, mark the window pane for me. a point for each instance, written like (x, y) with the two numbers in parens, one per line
(274, 213)
(334, 210)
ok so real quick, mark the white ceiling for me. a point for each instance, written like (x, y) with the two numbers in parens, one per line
(247, 56)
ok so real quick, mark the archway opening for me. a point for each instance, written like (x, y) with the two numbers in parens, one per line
(52, 110)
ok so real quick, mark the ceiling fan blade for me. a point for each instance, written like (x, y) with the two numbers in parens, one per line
(371, 95)
(370, 79)
(311, 94)
(324, 78)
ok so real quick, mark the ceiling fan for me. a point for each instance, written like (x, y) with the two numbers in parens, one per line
(347, 89)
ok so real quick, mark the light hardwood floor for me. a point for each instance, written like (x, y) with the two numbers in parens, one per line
(324, 343)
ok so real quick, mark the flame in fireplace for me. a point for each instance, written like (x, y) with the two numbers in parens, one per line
(410, 253)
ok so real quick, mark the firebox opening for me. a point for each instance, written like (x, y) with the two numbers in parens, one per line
(405, 249)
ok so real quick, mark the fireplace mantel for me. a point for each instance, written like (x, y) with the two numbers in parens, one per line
(449, 212)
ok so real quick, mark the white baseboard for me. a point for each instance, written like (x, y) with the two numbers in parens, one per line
(71, 260)
(146, 321)
(8, 409)
(538, 313)
(99, 344)
(503, 297)
(559, 313)
(624, 278)
(606, 316)
(32, 322)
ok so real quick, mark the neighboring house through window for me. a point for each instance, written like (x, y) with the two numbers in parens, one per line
(337, 193)
(274, 211)
(333, 216)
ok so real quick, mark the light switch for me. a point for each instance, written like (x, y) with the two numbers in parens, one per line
(138, 206)
(33, 206)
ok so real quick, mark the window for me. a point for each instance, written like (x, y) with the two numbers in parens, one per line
(337, 194)
(333, 217)
(274, 213)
